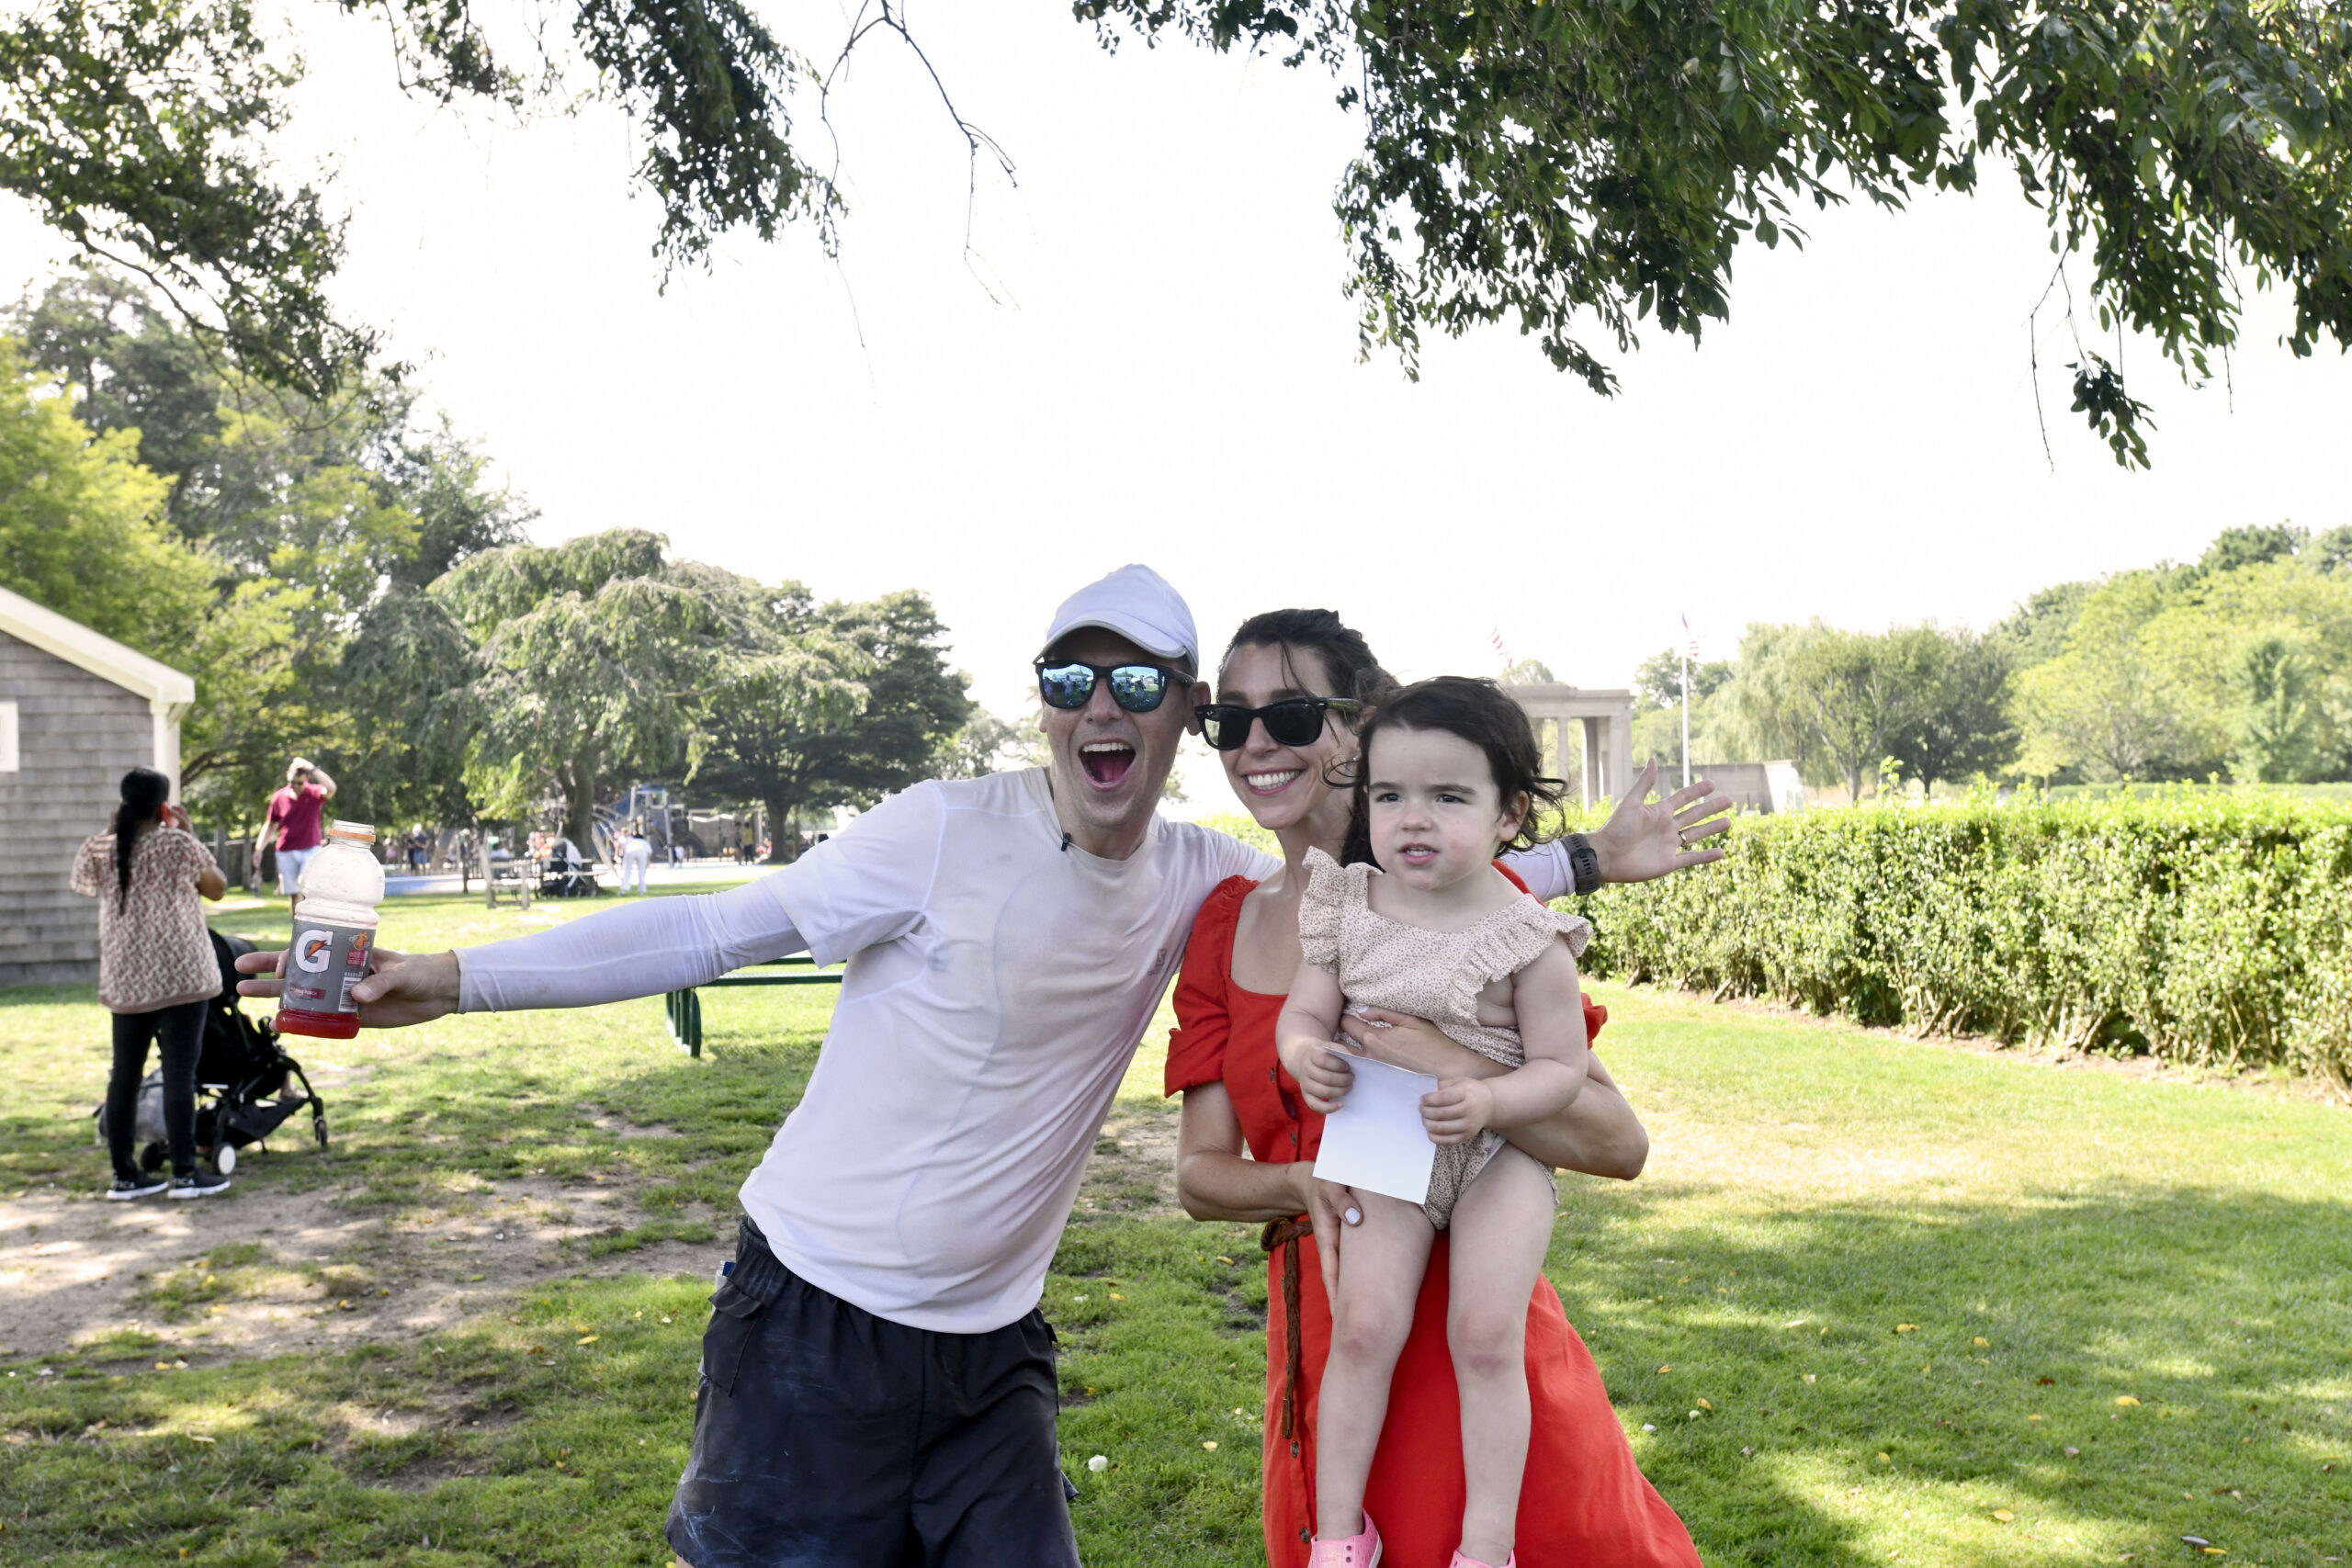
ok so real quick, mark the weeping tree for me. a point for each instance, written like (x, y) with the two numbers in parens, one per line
(790, 681)
(407, 674)
(833, 704)
(590, 659)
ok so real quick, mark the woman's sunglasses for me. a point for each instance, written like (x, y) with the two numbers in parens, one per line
(1293, 721)
(1138, 688)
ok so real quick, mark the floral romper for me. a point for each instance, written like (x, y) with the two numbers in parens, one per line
(1435, 975)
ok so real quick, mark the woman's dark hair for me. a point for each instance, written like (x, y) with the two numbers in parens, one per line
(144, 793)
(1354, 672)
(1479, 712)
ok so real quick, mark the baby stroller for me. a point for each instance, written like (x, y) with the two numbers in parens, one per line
(565, 873)
(242, 1082)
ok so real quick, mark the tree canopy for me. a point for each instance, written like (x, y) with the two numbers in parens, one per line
(141, 130)
(590, 656)
(81, 524)
(1556, 162)
(1576, 167)
(286, 533)
(2238, 665)
(836, 704)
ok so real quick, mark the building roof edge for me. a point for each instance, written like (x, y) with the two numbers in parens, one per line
(100, 655)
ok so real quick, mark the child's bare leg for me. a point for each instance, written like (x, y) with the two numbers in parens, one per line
(1381, 1262)
(1502, 1227)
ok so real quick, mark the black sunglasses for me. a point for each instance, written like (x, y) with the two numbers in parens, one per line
(1138, 688)
(1293, 721)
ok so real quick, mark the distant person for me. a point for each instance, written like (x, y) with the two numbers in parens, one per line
(417, 844)
(637, 854)
(156, 972)
(295, 811)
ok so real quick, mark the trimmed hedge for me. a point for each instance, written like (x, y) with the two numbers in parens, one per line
(2209, 928)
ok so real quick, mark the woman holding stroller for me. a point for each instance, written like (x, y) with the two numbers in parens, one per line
(156, 972)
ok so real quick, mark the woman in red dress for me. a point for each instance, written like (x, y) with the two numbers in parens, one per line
(1585, 1503)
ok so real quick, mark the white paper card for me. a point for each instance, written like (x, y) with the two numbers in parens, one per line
(1375, 1140)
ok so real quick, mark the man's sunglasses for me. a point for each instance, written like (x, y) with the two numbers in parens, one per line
(1293, 721)
(1138, 688)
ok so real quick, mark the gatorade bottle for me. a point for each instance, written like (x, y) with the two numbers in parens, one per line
(334, 929)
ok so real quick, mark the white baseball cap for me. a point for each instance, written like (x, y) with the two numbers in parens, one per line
(1136, 603)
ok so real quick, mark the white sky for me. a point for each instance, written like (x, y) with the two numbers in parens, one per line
(1166, 373)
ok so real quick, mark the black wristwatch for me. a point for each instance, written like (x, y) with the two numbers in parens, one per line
(1584, 863)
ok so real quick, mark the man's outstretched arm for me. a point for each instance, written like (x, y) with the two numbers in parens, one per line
(639, 950)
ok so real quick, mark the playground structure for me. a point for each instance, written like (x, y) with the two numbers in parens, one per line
(666, 822)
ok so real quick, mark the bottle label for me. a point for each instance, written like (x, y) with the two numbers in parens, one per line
(326, 961)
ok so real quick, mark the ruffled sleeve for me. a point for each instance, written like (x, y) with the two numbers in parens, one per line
(1510, 941)
(1203, 1016)
(1515, 938)
(1323, 907)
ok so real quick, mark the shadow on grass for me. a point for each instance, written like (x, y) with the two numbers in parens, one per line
(518, 1441)
(1813, 1373)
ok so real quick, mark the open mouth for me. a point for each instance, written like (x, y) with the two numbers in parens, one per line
(1271, 783)
(1106, 761)
(1416, 854)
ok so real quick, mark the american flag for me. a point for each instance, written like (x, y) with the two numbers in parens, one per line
(1693, 635)
(1494, 634)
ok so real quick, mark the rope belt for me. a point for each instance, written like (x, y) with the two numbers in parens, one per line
(1284, 1234)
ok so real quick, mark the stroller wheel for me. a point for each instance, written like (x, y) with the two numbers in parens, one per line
(151, 1157)
(224, 1159)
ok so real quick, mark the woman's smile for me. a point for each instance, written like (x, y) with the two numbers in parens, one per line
(1273, 781)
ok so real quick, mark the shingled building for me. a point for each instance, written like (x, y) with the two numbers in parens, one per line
(77, 711)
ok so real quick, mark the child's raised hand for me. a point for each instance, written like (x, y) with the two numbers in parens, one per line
(1324, 1076)
(1457, 1109)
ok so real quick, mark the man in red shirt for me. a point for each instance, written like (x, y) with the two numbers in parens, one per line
(294, 812)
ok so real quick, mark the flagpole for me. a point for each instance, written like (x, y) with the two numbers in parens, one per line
(1686, 714)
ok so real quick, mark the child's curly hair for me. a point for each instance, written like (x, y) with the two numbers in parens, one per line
(1479, 712)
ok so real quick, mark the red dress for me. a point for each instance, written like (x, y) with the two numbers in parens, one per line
(1584, 1504)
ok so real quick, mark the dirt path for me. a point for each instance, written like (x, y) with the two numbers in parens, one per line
(260, 1272)
(257, 1272)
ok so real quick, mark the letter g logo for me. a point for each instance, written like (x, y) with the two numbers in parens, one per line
(312, 951)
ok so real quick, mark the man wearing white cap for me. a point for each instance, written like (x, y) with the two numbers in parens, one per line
(878, 1384)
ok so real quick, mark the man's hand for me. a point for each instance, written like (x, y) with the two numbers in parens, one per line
(1330, 1207)
(1645, 839)
(1325, 1076)
(401, 989)
(1457, 1109)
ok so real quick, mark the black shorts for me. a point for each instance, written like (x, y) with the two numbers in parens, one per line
(828, 1437)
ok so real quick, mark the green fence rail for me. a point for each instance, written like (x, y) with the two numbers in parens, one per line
(683, 1009)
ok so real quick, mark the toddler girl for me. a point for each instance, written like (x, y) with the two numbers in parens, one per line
(1449, 773)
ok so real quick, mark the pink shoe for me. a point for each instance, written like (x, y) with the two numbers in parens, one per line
(1359, 1551)
(1461, 1562)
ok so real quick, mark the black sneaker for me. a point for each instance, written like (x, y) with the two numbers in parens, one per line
(203, 1183)
(127, 1187)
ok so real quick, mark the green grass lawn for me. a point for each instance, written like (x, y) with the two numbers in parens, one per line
(1874, 1300)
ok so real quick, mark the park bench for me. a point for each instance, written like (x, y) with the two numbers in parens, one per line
(510, 881)
(683, 1009)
